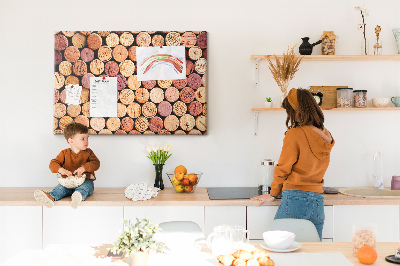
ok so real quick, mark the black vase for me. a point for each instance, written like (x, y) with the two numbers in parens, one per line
(306, 48)
(159, 181)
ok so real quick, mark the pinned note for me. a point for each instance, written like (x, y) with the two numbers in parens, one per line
(73, 94)
(103, 97)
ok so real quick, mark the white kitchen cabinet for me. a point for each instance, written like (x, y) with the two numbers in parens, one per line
(85, 225)
(259, 219)
(20, 229)
(159, 214)
(386, 217)
(218, 215)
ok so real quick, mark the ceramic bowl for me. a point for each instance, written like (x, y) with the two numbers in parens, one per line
(380, 102)
(187, 184)
(278, 239)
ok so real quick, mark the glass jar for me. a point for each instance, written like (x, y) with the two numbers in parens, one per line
(360, 98)
(344, 97)
(266, 176)
(364, 234)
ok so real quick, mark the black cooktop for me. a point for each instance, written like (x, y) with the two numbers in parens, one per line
(225, 193)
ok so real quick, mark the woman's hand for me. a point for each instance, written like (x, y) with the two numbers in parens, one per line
(263, 198)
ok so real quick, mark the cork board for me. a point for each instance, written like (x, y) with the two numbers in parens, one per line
(151, 107)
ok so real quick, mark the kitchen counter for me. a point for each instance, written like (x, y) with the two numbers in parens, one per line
(23, 196)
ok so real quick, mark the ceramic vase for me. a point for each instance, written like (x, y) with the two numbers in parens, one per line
(268, 104)
(139, 258)
(159, 181)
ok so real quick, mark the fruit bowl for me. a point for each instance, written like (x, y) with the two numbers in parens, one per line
(185, 183)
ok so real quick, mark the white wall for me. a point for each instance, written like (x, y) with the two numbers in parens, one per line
(229, 154)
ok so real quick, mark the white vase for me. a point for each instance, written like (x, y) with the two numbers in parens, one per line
(139, 258)
(268, 104)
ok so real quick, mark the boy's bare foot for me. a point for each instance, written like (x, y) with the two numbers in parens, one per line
(76, 199)
(44, 198)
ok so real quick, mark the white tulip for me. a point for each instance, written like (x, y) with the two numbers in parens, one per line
(148, 149)
(167, 148)
(157, 147)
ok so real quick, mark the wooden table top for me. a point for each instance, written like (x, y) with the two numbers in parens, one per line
(23, 196)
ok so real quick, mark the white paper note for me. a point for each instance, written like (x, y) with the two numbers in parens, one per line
(103, 97)
(73, 94)
(161, 63)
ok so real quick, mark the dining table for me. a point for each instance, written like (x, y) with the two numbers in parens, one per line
(87, 255)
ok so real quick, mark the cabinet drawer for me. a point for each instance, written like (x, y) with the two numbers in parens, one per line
(386, 217)
(85, 225)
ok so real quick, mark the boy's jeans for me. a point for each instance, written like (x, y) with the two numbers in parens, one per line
(306, 205)
(86, 189)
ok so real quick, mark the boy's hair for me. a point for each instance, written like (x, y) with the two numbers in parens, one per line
(309, 113)
(73, 128)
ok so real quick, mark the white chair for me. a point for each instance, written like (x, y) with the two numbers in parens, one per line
(304, 230)
(180, 233)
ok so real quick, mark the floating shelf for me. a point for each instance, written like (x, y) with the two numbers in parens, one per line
(336, 57)
(332, 109)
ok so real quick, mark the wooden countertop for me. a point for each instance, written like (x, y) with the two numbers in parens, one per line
(23, 196)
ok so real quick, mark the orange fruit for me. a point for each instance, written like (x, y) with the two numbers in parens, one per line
(367, 255)
(179, 169)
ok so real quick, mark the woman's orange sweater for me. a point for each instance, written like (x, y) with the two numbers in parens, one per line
(303, 161)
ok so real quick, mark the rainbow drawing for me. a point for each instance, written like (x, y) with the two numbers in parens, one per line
(170, 60)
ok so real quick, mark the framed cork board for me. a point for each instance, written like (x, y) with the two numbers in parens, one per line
(148, 102)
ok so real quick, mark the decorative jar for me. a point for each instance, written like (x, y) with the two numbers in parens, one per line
(360, 98)
(344, 97)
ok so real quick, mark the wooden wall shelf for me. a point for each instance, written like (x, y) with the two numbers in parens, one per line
(336, 57)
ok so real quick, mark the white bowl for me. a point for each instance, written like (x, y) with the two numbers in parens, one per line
(380, 102)
(279, 240)
(72, 181)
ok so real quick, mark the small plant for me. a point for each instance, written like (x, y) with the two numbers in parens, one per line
(364, 13)
(137, 237)
(157, 154)
(268, 99)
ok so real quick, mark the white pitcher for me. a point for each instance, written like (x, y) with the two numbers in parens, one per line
(220, 241)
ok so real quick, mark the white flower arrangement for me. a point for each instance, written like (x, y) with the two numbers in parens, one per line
(364, 13)
(157, 154)
(137, 237)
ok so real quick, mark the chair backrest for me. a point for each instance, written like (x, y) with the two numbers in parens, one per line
(304, 230)
(180, 226)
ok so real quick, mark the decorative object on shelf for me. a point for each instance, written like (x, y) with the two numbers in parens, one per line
(328, 43)
(306, 47)
(396, 33)
(141, 191)
(329, 94)
(378, 44)
(318, 97)
(380, 102)
(158, 155)
(344, 97)
(283, 71)
(360, 98)
(396, 101)
(268, 102)
(182, 181)
(137, 240)
(364, 43)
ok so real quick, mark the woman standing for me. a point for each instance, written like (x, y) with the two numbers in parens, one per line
(305, 156)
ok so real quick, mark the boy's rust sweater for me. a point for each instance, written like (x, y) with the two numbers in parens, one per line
(303, 161)
(71, 161)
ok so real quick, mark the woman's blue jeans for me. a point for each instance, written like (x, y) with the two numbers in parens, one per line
(86, 189)
(306, 205)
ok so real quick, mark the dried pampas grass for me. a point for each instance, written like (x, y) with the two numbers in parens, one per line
(283, 71)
